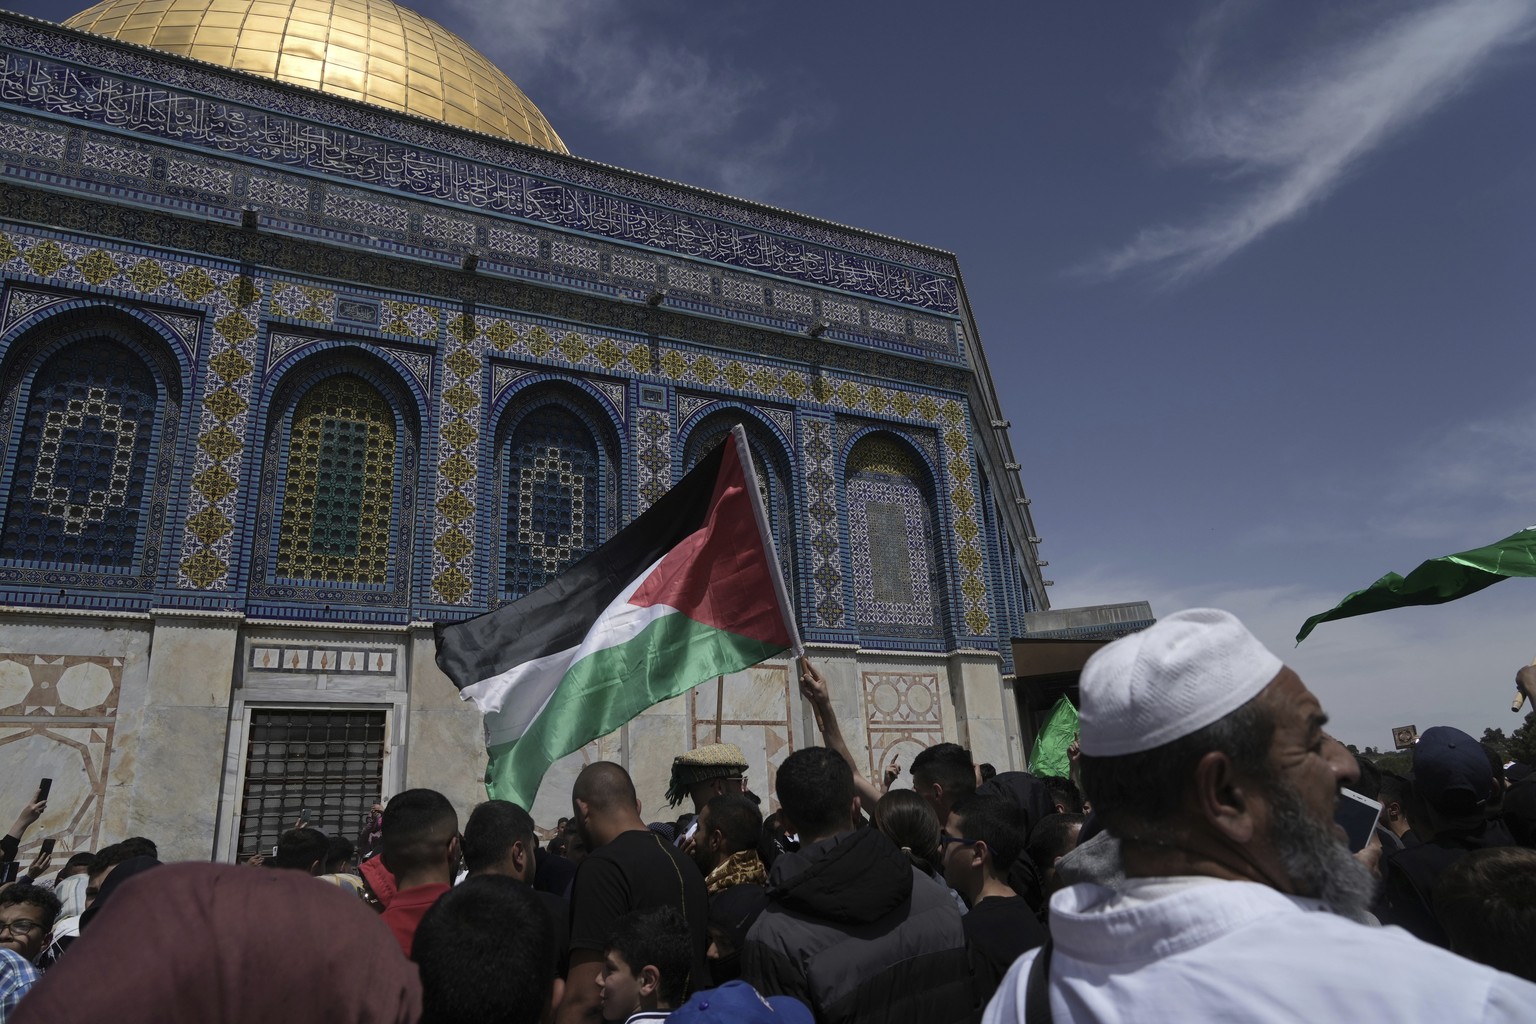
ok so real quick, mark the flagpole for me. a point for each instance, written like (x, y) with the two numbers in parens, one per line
(786, 609)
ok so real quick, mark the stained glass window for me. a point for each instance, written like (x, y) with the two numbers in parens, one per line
(772, 476)
(339, 488)
(557, 482)
(891, 533)
(81, 466)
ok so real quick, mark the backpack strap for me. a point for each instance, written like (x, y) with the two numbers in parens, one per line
(1037, 988)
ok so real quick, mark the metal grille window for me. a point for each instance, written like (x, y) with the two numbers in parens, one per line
(327, 762)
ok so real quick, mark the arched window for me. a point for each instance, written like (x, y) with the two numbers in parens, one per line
(559, 481)
(82, 460)
(772, 476)
(338, 491)
(893, 542)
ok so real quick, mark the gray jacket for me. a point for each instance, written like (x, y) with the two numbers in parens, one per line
(859, 935)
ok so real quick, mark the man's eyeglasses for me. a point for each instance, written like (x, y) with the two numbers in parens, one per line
(21, 929)
(945, 839)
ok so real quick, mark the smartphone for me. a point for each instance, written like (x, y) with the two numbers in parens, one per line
(48, 844)
(43, 789)
(1358, 815)
(9, 872)
(693, 828)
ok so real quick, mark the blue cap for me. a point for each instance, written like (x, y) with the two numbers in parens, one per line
(1451, 771)
(736, 1002)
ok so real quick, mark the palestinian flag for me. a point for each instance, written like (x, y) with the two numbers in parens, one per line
(691, 589)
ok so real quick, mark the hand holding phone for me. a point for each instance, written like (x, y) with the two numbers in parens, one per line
(1358, 816)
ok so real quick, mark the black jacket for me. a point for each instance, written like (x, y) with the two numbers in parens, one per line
(859, 935)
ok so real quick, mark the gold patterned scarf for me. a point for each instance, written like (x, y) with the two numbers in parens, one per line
(741, 868)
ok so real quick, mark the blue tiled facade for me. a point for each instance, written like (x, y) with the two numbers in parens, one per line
(523, 351)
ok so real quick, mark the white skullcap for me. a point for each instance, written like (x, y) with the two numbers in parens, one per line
(1171, 679)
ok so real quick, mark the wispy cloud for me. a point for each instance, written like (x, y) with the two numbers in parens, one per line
(689, 113)
(1285, 135)
(1457, 486)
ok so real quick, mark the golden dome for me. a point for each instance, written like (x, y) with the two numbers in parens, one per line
(370, 50)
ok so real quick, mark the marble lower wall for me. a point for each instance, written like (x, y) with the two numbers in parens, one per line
(143, 720)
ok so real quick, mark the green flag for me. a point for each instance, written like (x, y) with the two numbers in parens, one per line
(1060, 729)
(1439, 580)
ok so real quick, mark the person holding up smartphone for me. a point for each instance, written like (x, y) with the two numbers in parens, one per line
(10, 845)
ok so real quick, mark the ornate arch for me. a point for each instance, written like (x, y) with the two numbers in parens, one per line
(770, 453)
(893, 538)
(557, 483)
(90, 414)
(335, 520)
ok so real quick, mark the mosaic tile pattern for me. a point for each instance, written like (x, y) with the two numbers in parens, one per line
(891, 541)
(298, 255)
(21, 303)
(653, 455)
(905, 718)
(411, 320)
(92, 92)
(964, 511)
(233, 303)
(687, 367)
(503, 378)
(339, 488)
(188, 329)
(306, 302)
(456, 496)
(82, 465)
(228, 299)
(818, 464)
(554, 498)
(369, 502)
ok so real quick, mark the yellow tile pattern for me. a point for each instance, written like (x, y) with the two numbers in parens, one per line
(370, 50)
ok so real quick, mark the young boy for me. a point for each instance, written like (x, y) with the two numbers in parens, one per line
(645, 966)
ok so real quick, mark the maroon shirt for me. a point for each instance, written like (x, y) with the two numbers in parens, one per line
(406, 910)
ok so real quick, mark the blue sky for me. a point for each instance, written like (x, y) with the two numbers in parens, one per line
(1251, 276)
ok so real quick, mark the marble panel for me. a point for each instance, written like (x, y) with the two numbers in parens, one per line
(164, 781)
(445, 740)
(553, 801)
(446, 752)
(59, 720)
(904, 714)
(193, 662)
(758, 713)
(655, 738)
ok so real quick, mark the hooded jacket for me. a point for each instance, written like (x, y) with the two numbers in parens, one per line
(859, 935)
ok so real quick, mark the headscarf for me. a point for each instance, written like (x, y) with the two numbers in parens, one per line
(66, 926)
(191, 943)
(71, 893)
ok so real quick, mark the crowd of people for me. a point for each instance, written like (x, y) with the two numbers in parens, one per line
(1190, 868)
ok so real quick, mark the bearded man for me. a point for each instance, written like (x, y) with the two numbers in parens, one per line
(1206, 758)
